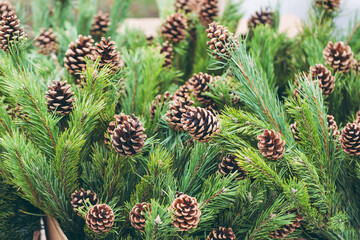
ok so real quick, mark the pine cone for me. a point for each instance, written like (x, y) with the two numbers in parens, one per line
(350, 139)
(109, 132)
(184, 90)
(261, 17)
(174, 28)
(287, 229)
(220, 40)
(221, 233)
(46, 42)
(323, 76)
(100, 218)
(106, 51)
(177, 108)
(128, 137)
(332, 126)
(79, 197)
(200, 123)
(208, 11)
(10, 30)
(328, 5)
(16, 112)
(60, 97)
(168, 51)
(228, 166)
(6, 7)
(295, 131)
(74, 60)
(187, 214)
(100, 24)
(270, 145)
(199, 85)
(137, 215)
(159, 103)
(339, 56)
(186, 6)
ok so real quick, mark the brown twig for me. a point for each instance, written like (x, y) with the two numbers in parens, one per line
(212, 197)
(357, 26)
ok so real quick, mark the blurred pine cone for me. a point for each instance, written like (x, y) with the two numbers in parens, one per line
(339, 56)
(186, 212)
(16, 112)
(60, 97)
(109, 132)
(100, 24)
(137, 215)
(323, 76)
(159, 103)
(287, 229)
(6, 7)
(185, 6)
(200, 84)
(10, 30)
(261, 17)
(328, 5)
(100, 218)
(350, 139)
(221, 40)
(208, 11)
(184, 90)
(295, 131)
(168, 51)
(79, 197)
(47, 42)
(221, 233)
(174, 28)
(229, 165)
(106, 51)
(332, 126)
(270, 145)
(176, 109)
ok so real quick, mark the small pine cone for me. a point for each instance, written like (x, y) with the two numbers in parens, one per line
(106, 51)
(100, 24)
(100, 218)
(10, 30)
(109, 132)
(186, 212)
(270, 145)
(287, 229)
(261, 17)
(220, 40)
(47, 42)
(328, 5)
(174, 28)
(323, 75)
(339, 56)
(60, 97)
(221, 233)
(200, 123)
(332, 126)
(199, 84)
(208, 11)
(6, 7)
(159, 103)
(168, 51)
(74, 60)
(229, 165)
(176, 109)
(16, 112)
(350, 139)
(184, 90)
(186, 6)
(295, 131)
(79, 197)
(128, 137)
(137, 215)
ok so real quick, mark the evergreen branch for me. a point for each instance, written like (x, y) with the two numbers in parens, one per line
(212, 197)
(356, 27)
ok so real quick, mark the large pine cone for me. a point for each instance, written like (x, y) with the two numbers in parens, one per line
(221, 233)
(229, 165)
(221, 40)
(176, 109)
(186, 6)
(46, 42)
(74, 60)
(200, 84)
(328, 5)
(128, 137)
(350, 139)
(326, 81)
(187, 214)
(159, 103)
(10, 30)
(100, 218)
(174, 28)
(200, 123)
(137, 215)
(79, 197)
(339, 56)
(261, 17)
(287, 229)
(295, 131)
(270, 145)
(208, 11)
(332, 126)
(60, 97)
(184, 90)
(100, 24)
(6, 7)
(106, 51)
(168, 51)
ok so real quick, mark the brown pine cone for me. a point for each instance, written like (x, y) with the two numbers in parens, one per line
(47, 42)
(221, 40)
(270, 145)
(200, 123)
(60, 97)
(174, 28)
(350, 139)
(159, 102)
(10, 30)
(287, 229)
(186, 212)
(100, 24)
(16, 112)
(128, 137)
(168, 51)
(229, 165)
(6, 7)
(184, 90)
(106, 51)
(79, 197)
(332, 126)
(74, 60)
(339, 56)
(176, 109)
(221, 233)
(261, 17)
(200, 84)
(100, 218)
(137, 215)
(109, 132)
(186, 6)
(295, 131)
(323, 76)
(208, 11)
(328, 5)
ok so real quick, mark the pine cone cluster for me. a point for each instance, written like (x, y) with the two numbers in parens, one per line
(47, 42)
(185, 6)
(287, 229)
(328, 5)
(168, 51)
(79, 197)
(295, 131)
(177, 108)
(10, 30)
(208, 11)
(323, 76)
(332, 126)
(186, 212)
(339, 56)
(60, 97)
(261, 17)
(184, 90)
(200, 123)
(221, 233)
(100, 218)
(350, 139)
(229, 165)
(6, 7)
(106, 51)
(270, 144)
(137, 215)
(100, 24)
(174, 28)
(199, 84)
(220, 40)
(128, 137)
(159, 103)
